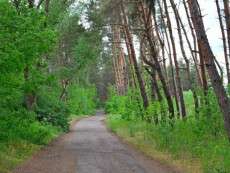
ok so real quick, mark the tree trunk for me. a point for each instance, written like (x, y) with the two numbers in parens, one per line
(155, 90)
(174, 88)
(195, 52)
(224, 40)
(156, 64)
(30, 98)
(178, 80)
(179, 24)
(227, 20)
(31, 3)
(134, 59)
(119, 61)
(132, 77)
(209, 57)
(203, 73)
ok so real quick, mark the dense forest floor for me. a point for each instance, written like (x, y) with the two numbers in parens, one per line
(89, 147)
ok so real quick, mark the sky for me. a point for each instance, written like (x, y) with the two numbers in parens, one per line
(212, 26)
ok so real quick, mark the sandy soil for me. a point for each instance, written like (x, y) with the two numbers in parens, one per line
(90, 148)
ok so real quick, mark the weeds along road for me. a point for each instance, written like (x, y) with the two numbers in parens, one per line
(90, 148)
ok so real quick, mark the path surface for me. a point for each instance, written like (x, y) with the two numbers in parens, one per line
(90, 148)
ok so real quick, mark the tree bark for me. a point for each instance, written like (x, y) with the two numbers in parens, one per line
(209, 57)
(195, 52)
(30, 97)
(31, 3)
(227, 20)
(134, 59)
(179, 26)
(224, 40)
(174, 88)
(178, 80)
(156, 64)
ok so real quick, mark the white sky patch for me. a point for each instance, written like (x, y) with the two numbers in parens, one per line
(211, 23)
(212, 26)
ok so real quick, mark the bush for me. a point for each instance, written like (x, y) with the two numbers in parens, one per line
(82, 100)
(128, 106)
(54, 113)
(22, 125)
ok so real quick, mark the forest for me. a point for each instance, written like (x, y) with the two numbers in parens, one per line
(158, 68)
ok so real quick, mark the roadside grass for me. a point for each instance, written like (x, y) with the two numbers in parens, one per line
(198, 144)
(14, 153)
(137, 135)
(180, 147)
(23, 139)
(20, 139)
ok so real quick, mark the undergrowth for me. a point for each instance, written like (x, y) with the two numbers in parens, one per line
(199, 143)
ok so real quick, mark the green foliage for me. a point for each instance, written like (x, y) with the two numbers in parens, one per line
(52, 111)
(20, 134)
(87, 49)
(82, 100)
(202, 137)
(128, 106)
(29, 65)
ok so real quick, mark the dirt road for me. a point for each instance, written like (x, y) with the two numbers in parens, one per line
(90, 148)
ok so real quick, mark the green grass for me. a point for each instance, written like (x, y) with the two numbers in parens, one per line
(197, 145)
(20, 139)
(14, 152)
(180, 146)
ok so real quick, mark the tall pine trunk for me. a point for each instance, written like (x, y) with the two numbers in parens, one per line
(134, 59)
(224, 40)
(178, 80)
(156, 65)
(209, 60)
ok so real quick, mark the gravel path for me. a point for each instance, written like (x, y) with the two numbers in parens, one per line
(90, 148)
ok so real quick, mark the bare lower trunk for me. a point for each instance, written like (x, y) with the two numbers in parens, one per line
(174, 88)
(156, 64)
(119, 62)
(181, 41)
(178, 80)
(30, 97)
(63, 94)
(132, 77)
(203, 72)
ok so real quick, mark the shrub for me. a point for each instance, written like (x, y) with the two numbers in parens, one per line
(82, 100)
(22, 125)
(52, 111)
